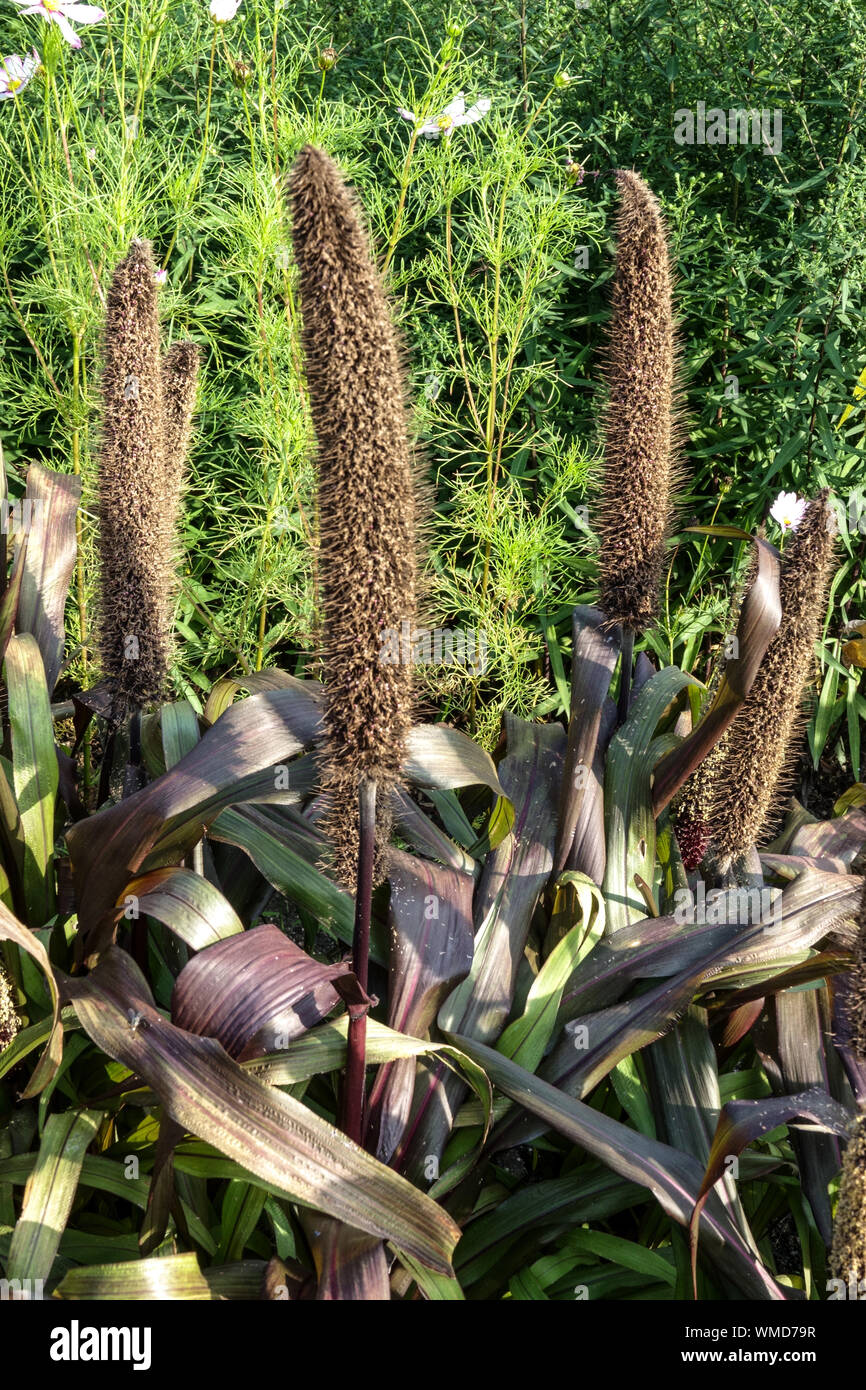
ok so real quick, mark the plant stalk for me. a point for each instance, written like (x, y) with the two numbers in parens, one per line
(625, 676)
(353, 1100)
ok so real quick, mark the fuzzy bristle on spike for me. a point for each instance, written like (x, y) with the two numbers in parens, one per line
(9, 1021)
(739, 789)
(640, 420)
(146, 414)
(848, 1251)
(180, 368)
(856, 1005)
(367, 502)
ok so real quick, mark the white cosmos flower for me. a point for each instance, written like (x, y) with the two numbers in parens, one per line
(787, 510)
(16, 72)
(60, 12)
(221, 11)
(453, 115)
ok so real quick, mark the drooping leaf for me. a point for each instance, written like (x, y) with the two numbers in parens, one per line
(836, 843)
(236, 760)
(50, 1032)
(307, 723)
(425, 836)
(438, 756)
(189, 905)
(741, 1122)
(254, 992)
(595, 1041)
(263, 1130)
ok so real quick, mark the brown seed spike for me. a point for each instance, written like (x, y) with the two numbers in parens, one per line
(848, 1252)
(367, 501)
(9, 1021)
(134, 638)
(640, 418)
(856, 1006)
(179, 382)
(739, 789)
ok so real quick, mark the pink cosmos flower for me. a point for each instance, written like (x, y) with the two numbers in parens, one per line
(60, 12)
(16, 72)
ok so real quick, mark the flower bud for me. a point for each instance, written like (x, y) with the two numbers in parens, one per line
(562, 79)
(241, 72)
(327, 59)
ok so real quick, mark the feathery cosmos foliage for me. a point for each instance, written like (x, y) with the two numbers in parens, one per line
(366, 500)
(146, 419)
(848, 1253)
(737, 791)
(640, 427)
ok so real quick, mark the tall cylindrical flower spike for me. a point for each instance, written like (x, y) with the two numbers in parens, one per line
(856, 1004)
(180, 369)
(640, 418)
(134, 571)
(366, 496)
(848, 1252)
(179, 382)
(738, 790)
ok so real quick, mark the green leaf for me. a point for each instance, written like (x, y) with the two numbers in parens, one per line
(672, 1177)
(190, 906)
(630, 829)
(50, 1193)
(35, 774)
(526, 1038)
(180, 732)
(13, 930)
(292, 874)
(172, 1277)
(444, 758)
